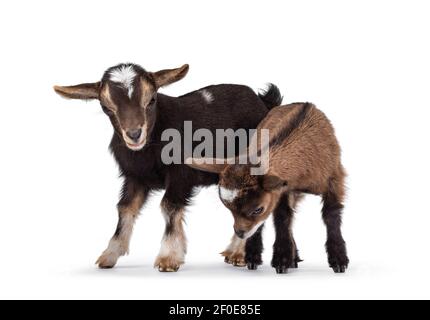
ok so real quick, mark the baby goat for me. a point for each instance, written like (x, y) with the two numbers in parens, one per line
(304, 158)
(139, 115)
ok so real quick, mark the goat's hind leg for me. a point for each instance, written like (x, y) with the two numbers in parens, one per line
(332, 216)
(234, 254)
(241, 252)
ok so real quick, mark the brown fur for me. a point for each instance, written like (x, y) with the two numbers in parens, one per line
(139, 118)
(307, 160)
(304, 158)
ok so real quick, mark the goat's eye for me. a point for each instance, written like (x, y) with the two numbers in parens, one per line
(256, 212)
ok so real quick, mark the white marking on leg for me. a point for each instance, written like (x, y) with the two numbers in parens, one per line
(236, 244)
(118, 245)
(124, 75)
(228, 194)
(173, 245)
(207, 96)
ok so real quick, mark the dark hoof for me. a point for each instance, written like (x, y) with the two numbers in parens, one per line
(339, 268)
(281, 270)
(106, 267)
(252, 266)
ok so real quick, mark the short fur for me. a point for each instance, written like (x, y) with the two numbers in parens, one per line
(233, 106)
(304, 157)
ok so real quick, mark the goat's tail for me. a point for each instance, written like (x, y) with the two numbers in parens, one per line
(271, 96)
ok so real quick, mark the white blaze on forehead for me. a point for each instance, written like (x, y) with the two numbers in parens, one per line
(207, 96)
(228, 194)
(125, 76)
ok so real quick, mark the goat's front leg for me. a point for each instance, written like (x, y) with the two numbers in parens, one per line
(254, 250)
(284, 248)
(133, 196)
(174, 243)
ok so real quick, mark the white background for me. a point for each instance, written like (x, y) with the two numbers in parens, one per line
(366, 64)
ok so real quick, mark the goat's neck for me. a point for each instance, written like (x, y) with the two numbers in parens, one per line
(167, 114)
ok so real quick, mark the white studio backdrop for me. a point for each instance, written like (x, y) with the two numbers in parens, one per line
(364, 63)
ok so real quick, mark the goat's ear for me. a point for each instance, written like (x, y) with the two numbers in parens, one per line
(168, 76)
(206, 164)
(271, 182)
(84, 91)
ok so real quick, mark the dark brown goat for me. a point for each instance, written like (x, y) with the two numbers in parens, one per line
(304, 158)
(139, 115)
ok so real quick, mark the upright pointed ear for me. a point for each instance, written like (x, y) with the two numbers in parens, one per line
(84, 91)
(270, 182)
(206, 164)
(168, 76)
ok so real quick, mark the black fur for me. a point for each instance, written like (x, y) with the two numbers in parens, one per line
(335, 245)
(271, 96)
(285, 254)
(285, 132)
(254, 249)
(234, 107)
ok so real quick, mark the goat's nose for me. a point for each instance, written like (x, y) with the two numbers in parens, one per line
(239, 233)
(134, 134)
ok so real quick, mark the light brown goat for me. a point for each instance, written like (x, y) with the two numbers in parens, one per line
(304, 158)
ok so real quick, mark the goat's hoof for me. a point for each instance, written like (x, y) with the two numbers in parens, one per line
(107, 260)
(281, 269)
(281, 263)
(297, 260)
(168, 269)
(339, 268)
(236, 259)
(167, 264)
(252, 266)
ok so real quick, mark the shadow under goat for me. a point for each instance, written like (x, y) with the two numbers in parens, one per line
(139, 115)
(305, 157)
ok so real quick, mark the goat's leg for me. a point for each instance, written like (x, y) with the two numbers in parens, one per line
(332, 216)
(133, 196)
(254, 249)
(174, 243)
(297, 258)
(294, 199)
(335, 245)
(235, 252)
(284, 248)
(241, 252)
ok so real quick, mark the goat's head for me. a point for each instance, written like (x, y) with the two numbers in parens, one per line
(128, 95)
(250, 198)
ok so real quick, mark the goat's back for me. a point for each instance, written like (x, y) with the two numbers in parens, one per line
(221, 106)
(304, 150)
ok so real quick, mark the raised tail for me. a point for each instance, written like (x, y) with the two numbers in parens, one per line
(271, 96)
